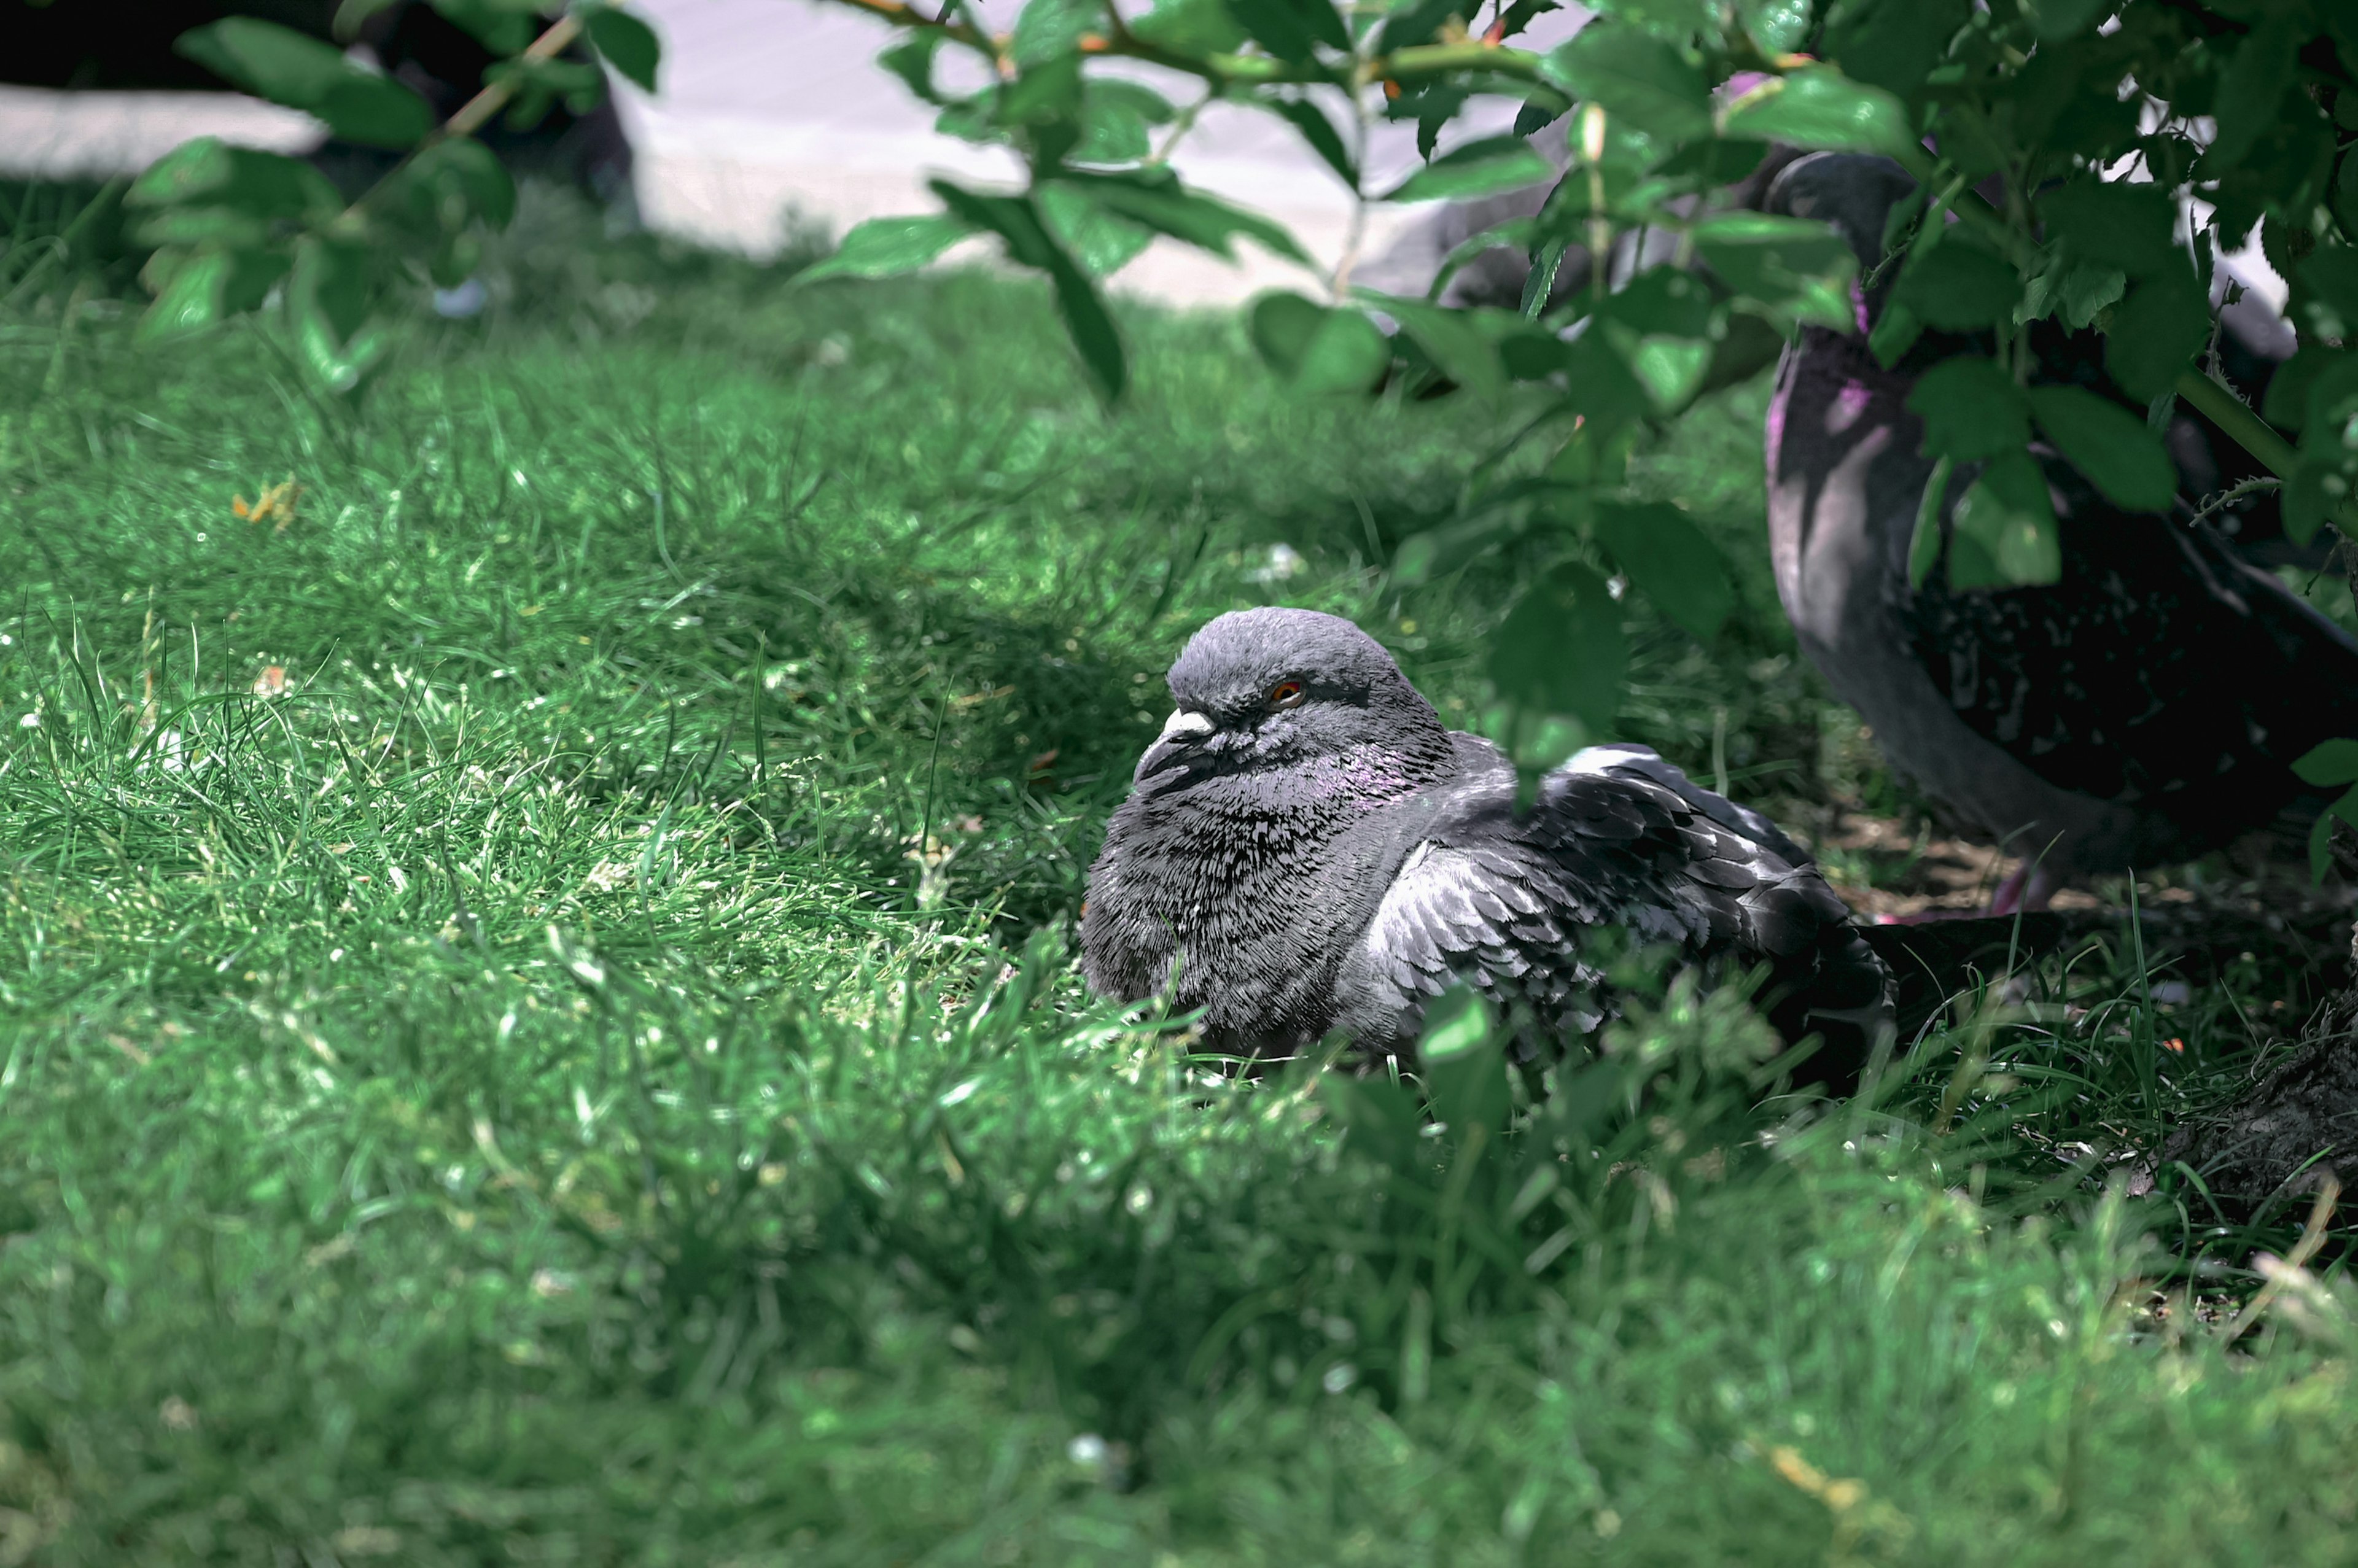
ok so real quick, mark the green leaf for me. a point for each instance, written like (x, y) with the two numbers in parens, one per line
(1820, 108)
(1047, 29)
(2004, 530)
(1777, 26)
(1924, 544)
(2156, 332)
(2261, 70)
(1895, 44)
(2115, 224)
(1115, 115)
(1155, 198)
(1416, 22)
(1971, 410)
(1561, 649)
(1458, 347)
(2331, 277)
(208, 172)
(2108, 444)
(2331, 762)
(627, 44)
(287, 66)
(1017, 221)
(1463, 1058)
(1957, 286)
(1318, 131)
(1478, 169)
(1664, 299)
(1667, 556)
(504, 28)
(1641, 79)
(1101, 241)
(452, 183)
(1319, 350)
(1289, 28)
(881, 247)
(1190, 26)
(2058, 20)
(912, 59)
(2287, 404)
(2320, 836)
(1894, 333)
(1800, 267)
(190, 299)
(327, 297)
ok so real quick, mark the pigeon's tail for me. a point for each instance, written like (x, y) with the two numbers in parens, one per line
(1843, 994)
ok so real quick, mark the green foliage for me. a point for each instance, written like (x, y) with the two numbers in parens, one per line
(2028, 101)
(291, 68)
(230, 223)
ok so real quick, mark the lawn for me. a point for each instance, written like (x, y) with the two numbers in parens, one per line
(538, 1021)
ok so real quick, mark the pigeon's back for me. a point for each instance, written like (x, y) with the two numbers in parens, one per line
(1617, 837)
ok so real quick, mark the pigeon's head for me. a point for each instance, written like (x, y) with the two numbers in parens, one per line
(1266, 689)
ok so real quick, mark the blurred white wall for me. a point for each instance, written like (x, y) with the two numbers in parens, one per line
(774, 111)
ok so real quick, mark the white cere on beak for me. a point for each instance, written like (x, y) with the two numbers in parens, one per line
(1182, 722)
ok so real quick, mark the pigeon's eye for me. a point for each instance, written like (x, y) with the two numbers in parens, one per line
(1284, 694)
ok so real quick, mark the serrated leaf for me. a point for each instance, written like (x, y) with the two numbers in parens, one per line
(1821, 109)
(1155, 199)
(626, 42)
(289, 68)
(1416, 21)
(2113, 224)
(2108, 444)
(2155, 333)
(1291, 28)
(1958, 286)
(2258, 74)
(1478, 169)
(1664, 553)
(1115, 115)
(1638, 78)
(1561, 649)
(881, 247)
(1046, 29)
(1971, 410)
(2003, 528)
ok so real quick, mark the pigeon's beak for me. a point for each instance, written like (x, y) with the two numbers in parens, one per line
(1180, 734)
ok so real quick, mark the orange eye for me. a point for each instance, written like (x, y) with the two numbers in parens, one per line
(1284, 694)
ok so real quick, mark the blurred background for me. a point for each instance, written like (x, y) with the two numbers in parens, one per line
(773, 124)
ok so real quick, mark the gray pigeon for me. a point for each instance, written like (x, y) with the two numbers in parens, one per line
(2144, 710)
(1311, 850)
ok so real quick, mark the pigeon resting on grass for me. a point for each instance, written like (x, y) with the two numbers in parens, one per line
(1313, 851)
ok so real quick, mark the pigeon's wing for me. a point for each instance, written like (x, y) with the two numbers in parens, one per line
(1617, 837)
(2160, 671)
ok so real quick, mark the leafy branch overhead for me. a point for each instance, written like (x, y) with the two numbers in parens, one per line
(236, 230)
(2068, 176)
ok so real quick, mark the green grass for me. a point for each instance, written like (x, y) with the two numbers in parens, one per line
(592, 1071)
